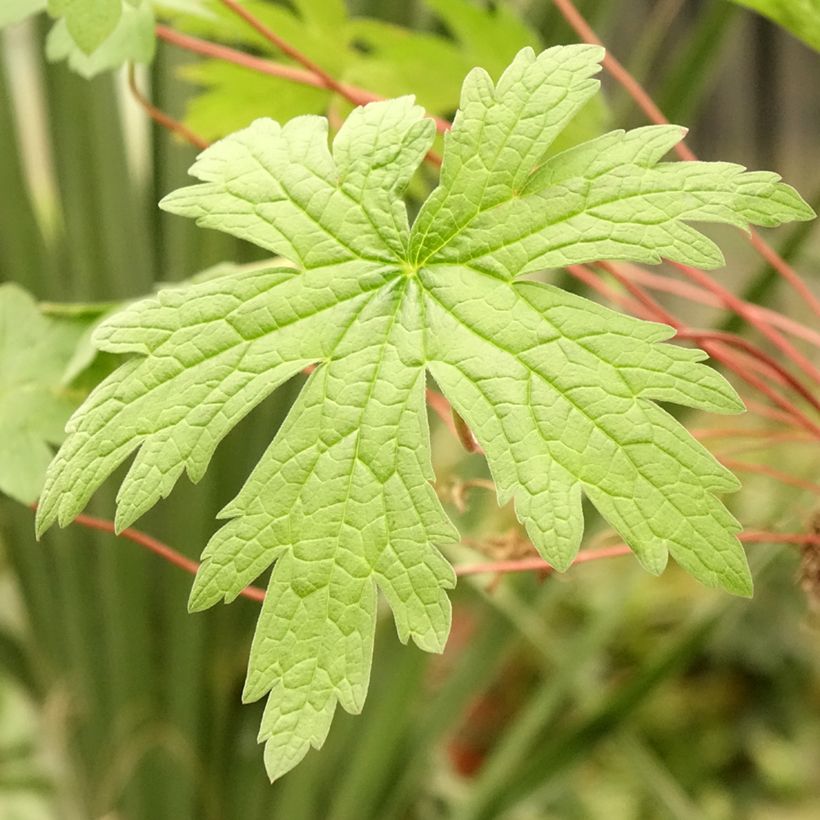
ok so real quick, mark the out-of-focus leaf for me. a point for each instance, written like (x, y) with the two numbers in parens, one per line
(131, 41)
(800, 17)
(34, 403)
(88, 22)
(382, 57)
(235, 96)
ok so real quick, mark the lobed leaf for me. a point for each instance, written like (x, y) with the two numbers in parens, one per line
(561, 393)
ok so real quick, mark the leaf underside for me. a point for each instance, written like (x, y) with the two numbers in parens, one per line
(559, 391)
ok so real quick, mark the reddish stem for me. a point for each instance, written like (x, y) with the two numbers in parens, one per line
(654, 114)
(697, 294)
(538, 564)
(716, 348)
(764, 411)
(738, 306)
(770, 472)
(157, 547)
(240, 58)
(499, 567)
(325, 79)
(356, 95)
(705, 336)
(160, 117)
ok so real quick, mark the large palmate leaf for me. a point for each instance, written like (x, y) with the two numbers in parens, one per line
(559, 391)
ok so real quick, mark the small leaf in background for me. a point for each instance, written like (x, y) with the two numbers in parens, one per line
(88, 22)
(132, 40)
(35, 402)
(386, 58)
(800, 17)
(560, 392)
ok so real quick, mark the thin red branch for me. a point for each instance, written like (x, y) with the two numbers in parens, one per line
(157, 547)
(160, 117)
(705, 336)
(766, 442)
(655, 115)
(497, 567)
(751, 433)
(286, 72)
(770, 472)
(217, 51)
(326, 80)
(738, 306)
(766, 412)
(714, 344)
(695, 293)
(583, 557)
(538, 564)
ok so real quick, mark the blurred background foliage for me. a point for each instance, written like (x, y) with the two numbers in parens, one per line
(604, 693)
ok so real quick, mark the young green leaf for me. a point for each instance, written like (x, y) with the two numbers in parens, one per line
(131, 40)
(35, 402)
(381, 56)
(88, 22)
(559, 391)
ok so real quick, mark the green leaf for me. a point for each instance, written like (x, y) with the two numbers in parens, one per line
(800, 17)
(132, 40)
(88, 22)
(559, 391)
(386, 58)
(34, 401)
(236, 96)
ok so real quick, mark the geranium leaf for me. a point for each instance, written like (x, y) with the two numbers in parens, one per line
(561, 393)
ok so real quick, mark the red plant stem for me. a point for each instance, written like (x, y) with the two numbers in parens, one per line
(357, 96)
(762, 536)
(538, 564)
(766, 442)
(302, 76)
(441, 407)
(704, 336)
(655, 115)
(764, 411)
(160, 117)
(297, 56)
(232, 55)
(661, 313)
(717, 350)
(584, 274)
(354, 94)
(770, 472)
(738, 306)
(499, 567)
(758, 437)
(157, 547)
(694, 293)
(650, 303)
(464, 433)
(719, 353)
